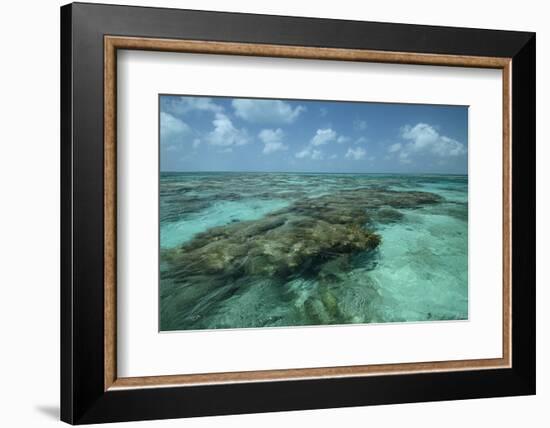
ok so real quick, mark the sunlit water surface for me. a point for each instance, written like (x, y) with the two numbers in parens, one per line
(418, 272)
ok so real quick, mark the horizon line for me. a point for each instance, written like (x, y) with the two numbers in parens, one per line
(312, 172)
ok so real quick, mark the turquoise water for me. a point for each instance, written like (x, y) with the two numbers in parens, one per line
(243, 250)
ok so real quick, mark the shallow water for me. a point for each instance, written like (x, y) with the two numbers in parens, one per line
(242, 250)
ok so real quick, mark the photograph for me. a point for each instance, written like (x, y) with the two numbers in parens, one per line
(295, 212)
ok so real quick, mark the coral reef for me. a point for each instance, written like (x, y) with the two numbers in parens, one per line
(313, 237)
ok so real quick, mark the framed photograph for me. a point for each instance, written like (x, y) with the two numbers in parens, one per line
(266, 213)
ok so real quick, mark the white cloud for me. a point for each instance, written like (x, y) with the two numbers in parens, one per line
(360, 125)
(404, 157)
(183, 105)
(273, 140)
(225, 134)
(424, 137)
(342, 139)
(196, 143)
(303, 153)
(266, 111)
(171, 127)
(361, 140)
(317, 155)
(311, 153)
(273, 147)
(356, 154)
(323, 136)
(271, 135)
(394, 148)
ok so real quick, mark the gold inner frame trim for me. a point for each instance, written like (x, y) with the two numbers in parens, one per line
(113, 43)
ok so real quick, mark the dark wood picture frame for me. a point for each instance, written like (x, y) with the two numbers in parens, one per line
(90, 389)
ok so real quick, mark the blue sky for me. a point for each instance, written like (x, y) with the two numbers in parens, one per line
(240, 134)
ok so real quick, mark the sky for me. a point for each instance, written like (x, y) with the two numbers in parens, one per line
(245, 134)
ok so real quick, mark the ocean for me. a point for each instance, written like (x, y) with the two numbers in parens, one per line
(250, 250)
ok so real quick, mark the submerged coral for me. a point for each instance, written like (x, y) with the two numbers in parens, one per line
(313, 237)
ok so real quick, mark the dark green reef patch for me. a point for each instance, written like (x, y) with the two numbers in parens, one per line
(318, 237)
